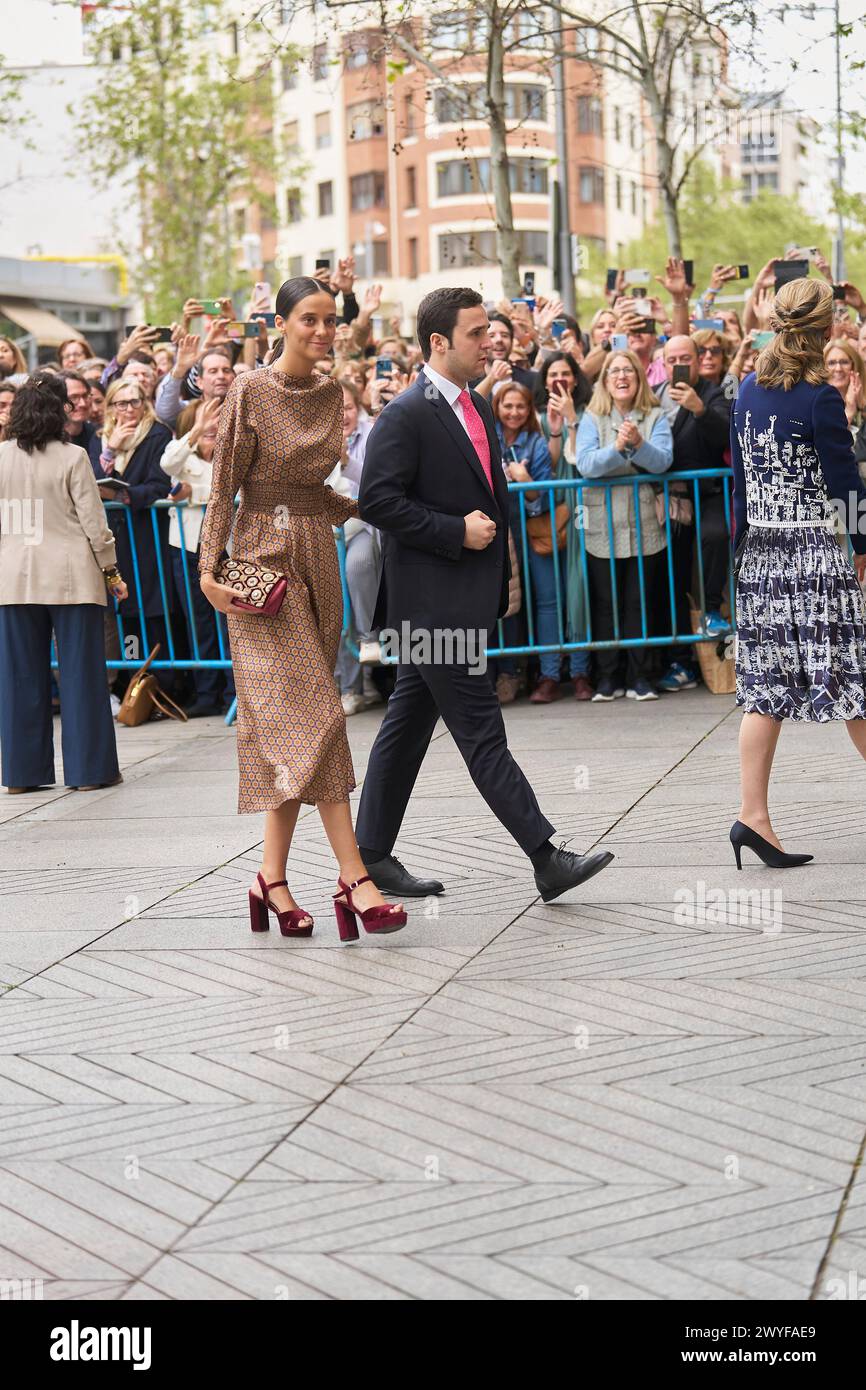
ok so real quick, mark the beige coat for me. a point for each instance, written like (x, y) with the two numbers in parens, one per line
(54, 538)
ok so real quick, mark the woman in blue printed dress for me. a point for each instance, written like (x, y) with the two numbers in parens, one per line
(801, 623)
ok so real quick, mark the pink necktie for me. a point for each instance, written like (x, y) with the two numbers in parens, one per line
(477, 434)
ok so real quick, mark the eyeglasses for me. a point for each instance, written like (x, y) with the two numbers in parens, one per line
(622, 371)
(711, 351)
(127, 405)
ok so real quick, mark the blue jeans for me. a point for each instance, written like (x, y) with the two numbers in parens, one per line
(544, 603)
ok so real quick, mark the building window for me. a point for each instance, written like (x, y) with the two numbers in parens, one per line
(617, 123)
(326, 199)
(452, 32)
(412, 187)
(290, 135)
(453, 107)
(320, 62)
(459, 177)
(289, 73)
(589, 41)
(634, 200)
(525, 103)
(294, 212)
(365, 120)
(591, 185)
(588, 115)
(296, 266)
(413, 258)
(328, 257)
(323, 130)
(376, 264)
(768, 179)
(409, 113)
(357, 55)
(632, 131)
(233, 38)
(460, 249)
(367, 191)
(618, 193)
(240, 222)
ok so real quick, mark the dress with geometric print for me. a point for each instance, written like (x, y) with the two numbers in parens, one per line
(801, 621)
(279, 438)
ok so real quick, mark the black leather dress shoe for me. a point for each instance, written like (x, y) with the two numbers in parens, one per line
(389, 876)
(565, 870)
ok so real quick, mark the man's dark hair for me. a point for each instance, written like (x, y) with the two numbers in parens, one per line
(503, 318)
(437, 313)
(38, 412)
(142, 355)
(69, 375)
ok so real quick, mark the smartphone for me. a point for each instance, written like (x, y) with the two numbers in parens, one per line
(806, 253)
(790, 270)
(637, 277)
(262, 287)
(270, 320)
(717, 324)
(642, 306)
(742, 272)
(237, 329)
(529, 283)
(647, 326)
(681, 375)
(163, 330)
(211, 306)
(176, 489)
(839, 292)
(558, 327)
(530, 303)
(384, 366)
(760, 340)
(610, 282)
(322, 263)
(619, 342)
(689, 268)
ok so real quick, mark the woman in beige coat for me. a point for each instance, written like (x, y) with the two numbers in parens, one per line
(56, 559)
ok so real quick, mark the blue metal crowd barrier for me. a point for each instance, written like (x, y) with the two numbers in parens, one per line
(172, 660)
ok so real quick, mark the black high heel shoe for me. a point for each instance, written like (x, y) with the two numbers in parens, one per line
(774, 858)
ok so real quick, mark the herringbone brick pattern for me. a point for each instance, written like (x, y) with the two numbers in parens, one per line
(654, 1088)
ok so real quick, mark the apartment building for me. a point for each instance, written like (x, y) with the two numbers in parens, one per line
(777, 151)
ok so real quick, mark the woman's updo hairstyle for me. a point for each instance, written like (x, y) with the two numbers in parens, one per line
(802, 313)
(291, 292)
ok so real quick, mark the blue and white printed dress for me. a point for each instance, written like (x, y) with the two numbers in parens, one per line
(801, 621)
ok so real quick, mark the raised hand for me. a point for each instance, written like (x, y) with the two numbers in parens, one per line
(721, 274)
(372, 299)
(188, 347)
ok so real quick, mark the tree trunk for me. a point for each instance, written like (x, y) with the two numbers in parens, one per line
(507, 241)
(664, 153)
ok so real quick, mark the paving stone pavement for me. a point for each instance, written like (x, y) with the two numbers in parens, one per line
(650, 1089)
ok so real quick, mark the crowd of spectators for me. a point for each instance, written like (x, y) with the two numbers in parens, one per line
(645, 390)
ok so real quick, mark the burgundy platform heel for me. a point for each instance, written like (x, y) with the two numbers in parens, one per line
(290, 921)
(387, 917)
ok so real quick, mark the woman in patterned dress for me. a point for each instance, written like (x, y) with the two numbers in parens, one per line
(801, 623)
(280, 434)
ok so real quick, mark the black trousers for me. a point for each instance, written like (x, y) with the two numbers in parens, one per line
(639, 661)
(472, 715)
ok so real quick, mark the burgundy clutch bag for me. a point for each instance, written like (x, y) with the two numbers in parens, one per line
(258, 590)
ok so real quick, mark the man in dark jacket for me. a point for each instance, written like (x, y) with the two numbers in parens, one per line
(699, 414)
(434, 486)
(78, 427)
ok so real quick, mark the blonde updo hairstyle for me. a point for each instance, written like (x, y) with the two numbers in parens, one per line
(802, 316)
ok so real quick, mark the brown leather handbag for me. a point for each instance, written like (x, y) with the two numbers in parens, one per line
(538, 530)
(144, 696)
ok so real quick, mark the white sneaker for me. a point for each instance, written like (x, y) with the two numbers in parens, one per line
(115, 704)
(369, 693)
(352, 703)
(370, 654)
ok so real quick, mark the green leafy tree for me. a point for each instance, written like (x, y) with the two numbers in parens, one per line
(186, 133)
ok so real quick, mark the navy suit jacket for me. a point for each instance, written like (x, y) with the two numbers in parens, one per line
(421, 477)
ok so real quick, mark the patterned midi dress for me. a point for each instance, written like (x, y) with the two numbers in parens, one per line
(801, 622)
(279, 438)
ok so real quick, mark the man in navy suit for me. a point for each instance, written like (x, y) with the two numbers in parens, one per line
(434, 486)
